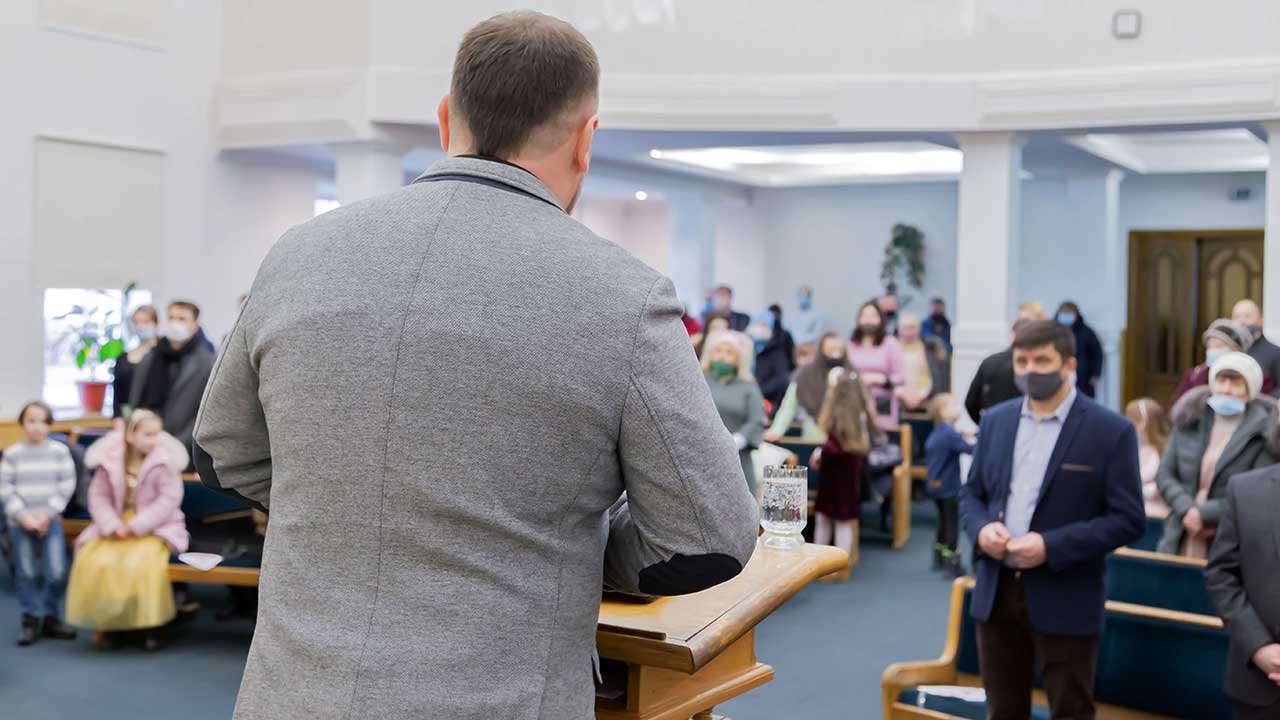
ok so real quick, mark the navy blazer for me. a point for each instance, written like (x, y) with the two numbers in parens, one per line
(1090, 504)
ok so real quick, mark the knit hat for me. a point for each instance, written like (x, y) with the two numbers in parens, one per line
(1231, 333)
(1244, 366)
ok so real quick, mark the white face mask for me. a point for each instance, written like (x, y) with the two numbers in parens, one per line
(178, 332)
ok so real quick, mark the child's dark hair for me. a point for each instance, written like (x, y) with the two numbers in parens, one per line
(48, 411)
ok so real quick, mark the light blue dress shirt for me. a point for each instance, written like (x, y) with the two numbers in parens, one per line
(1032, 449)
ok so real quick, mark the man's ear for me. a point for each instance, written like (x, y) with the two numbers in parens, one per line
(1070, 365)
(582, 147)
(442, 117)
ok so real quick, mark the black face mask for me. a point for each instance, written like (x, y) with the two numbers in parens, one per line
(832, 362)
(871, 330)
(1038, 386)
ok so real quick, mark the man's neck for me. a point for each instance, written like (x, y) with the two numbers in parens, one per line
(178, 345)
(1045, 408)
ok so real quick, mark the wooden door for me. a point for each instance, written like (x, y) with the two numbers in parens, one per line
(1161, 305)
(1179, 282)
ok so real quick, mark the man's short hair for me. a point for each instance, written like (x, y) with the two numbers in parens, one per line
(519, 72)
(188, 306)
(1038, 333)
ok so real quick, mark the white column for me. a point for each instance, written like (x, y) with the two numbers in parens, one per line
(1271, 247)
(986, 250)
(366, 169)
(1115, 268)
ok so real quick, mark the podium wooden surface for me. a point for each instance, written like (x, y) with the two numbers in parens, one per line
(684, 655)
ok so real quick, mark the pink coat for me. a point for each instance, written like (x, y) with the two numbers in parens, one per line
(157, 498)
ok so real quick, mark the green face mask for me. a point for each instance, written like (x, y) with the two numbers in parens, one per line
(722, 369)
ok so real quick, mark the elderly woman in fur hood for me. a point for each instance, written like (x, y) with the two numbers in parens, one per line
(1220, 430)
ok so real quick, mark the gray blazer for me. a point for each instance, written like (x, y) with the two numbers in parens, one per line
(179, 413)
(440, 395)
(1243, 578)
(741, 407)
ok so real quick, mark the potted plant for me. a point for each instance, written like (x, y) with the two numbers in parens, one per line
(904, 251)
(95, 339)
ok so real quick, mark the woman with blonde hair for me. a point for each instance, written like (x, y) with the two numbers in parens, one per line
(1152, 424)
(726, 364)
(849, 420)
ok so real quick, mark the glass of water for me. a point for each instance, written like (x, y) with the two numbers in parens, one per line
(784, 507)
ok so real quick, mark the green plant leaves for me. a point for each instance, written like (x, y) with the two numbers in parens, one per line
(110, 351)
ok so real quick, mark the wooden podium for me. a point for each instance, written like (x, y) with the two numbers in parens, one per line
(677, 658)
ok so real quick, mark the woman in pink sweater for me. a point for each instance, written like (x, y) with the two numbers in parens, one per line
(877, 357)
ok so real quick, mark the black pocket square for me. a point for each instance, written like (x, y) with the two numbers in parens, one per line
(1072, 467)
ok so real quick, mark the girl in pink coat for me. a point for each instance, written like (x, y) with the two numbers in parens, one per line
(120, 578)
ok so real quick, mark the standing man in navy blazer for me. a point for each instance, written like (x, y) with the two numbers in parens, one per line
(1053, 489)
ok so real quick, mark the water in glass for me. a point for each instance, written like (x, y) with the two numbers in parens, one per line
(784, 505)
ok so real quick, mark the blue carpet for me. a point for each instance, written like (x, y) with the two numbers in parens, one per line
(828, 646)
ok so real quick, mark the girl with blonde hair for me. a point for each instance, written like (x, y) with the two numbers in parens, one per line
(120, 578)
(1152, 424)
(849, 420)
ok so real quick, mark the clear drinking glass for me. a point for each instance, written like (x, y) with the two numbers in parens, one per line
(784, 506)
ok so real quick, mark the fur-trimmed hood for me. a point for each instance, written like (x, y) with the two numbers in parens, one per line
(1193, 404)
(110, 448)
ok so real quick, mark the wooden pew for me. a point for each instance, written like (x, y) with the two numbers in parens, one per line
(233, 572)
(1151, 537)
(1158, 580)
(1153, 664)
(902, 476)
(11, 432)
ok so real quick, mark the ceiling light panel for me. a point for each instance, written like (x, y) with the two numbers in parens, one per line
(797, 165)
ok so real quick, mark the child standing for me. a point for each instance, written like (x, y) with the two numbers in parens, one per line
(849, 420)
(120, 579)
(37, 478)
(942, 454)
(1152, 424)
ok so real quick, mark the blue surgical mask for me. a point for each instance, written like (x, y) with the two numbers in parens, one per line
(1212, 354)
(1067, 318)
(1226, 405)
(805, 303)
(145, 335)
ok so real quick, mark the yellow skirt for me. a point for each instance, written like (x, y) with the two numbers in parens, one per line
(121, 584)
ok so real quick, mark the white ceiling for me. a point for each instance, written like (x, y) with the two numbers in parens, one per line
(1194, 151)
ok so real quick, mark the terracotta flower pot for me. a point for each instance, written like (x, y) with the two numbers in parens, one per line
(92, 395)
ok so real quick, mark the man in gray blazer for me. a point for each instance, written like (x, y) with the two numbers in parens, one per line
(440, 395)
(1243, 578)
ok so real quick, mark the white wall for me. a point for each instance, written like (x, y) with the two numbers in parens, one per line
(871, 36)
(217, 215)
(834, 238)
(642, 228)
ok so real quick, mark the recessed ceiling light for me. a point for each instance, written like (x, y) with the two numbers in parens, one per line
(794, 165)
(642, 195)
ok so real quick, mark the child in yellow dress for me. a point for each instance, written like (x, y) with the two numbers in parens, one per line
(120, 577)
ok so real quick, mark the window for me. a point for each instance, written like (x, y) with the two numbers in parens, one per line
(69, 315)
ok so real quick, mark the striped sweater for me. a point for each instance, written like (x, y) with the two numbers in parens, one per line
(36, 479)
